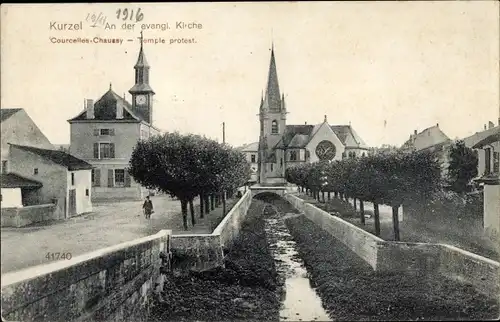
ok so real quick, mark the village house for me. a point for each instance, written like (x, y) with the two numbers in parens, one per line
(17, 127)
(104, 134)
(489, 176)
(282, 145)
(433, 140)
(251, 153)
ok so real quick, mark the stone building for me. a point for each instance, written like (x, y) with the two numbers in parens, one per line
(282, 145)
(105, 133)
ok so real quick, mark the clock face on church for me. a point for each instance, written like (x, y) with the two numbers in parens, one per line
(140, 99)
(325, 150)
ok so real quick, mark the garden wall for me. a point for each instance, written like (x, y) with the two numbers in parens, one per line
(420, 258)
(114, 283)
(24, 216)
(204, 251)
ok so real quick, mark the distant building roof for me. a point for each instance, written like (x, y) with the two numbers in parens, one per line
(298, 136)
(12, 180)
(427, 138)
(251, 147)
(59, 157)
(5, 113)
(495, 137)
(472, 140)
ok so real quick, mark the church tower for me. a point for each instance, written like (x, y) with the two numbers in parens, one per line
(272, 117)
(142, 93)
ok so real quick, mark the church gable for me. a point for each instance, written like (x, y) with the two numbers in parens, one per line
(324, 133)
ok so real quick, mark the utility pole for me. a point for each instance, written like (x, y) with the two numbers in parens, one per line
(223, 132)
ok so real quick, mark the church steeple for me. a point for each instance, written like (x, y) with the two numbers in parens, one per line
(142, 93)
(272, 99)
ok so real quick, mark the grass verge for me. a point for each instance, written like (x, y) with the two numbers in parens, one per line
(247, 289)
(351, 290)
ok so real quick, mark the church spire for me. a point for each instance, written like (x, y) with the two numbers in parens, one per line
(141, 59)
(272, 96)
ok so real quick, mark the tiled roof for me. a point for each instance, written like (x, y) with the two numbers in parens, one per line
(12, 180)
(495, 137)
(5, 113)
(105, 109)
(250, 147)
(472, 140)
(59, 157)
(426, 139)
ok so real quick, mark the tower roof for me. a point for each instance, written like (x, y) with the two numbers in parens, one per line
(141, 59)
(272, 100)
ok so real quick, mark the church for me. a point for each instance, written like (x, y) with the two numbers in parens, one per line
(282, 145)
(105, 133)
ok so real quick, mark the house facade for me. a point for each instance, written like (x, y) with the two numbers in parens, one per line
(489, 175)
(251, 152)
(282, 145)
(55, 177)
(105, 134)
(17, 127)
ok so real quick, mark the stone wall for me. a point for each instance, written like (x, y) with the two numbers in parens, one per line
(420, 258)
(114, 283)
(20, 217)
(204, 251)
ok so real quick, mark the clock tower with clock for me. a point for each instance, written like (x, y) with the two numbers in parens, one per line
(142, 93)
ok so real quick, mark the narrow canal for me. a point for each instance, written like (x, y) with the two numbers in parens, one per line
(299, 301)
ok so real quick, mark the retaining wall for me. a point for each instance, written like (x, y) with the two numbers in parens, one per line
(200, 252)
(420, 258)
(114, 283)
(23, 216)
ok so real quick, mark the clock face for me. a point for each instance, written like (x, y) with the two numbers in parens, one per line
(325, 150)
(140, 99)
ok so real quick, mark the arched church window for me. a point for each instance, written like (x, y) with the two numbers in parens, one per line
(274, 127)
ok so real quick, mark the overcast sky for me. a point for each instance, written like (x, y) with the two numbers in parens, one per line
(387, 67)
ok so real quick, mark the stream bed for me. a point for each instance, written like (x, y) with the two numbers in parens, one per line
(300, 301)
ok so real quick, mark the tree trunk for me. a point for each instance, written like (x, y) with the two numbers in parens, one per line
(201, 205)
(212, 202)
(336, 194)
(395, 222)
(329, 197)
(207, 204)
(184, 213)
(323, 196)
(376, 214)
(362, 211)
(223, 203)
(318, 196)
(191, 209)
(354, 203)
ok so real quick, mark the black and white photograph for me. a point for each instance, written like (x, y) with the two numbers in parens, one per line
(250, 161)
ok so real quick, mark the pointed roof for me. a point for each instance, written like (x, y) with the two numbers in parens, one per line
(105, 109)
(5, 113)
(57, 156)
(141, 59)
(272, 99)
(12, 180)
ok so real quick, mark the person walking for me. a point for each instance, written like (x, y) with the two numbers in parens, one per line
(147, 207)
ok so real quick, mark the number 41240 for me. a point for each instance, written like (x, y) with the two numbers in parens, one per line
(58, 256)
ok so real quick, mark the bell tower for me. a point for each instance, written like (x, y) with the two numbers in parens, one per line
(142, 93)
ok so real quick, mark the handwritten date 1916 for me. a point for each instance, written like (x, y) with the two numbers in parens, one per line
(58, 256)
(126, 14)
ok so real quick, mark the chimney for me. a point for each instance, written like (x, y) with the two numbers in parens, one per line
(490, 125)
(415, 132)
(437, 124)
(305, 123)
(89, 107)
(485, 127)
(119, 111)
(325, 119)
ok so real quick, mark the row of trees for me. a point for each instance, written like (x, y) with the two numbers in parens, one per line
(381, 179)
(189, 166)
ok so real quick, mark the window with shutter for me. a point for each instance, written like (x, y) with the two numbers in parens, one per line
(97, 177)
(119, 178)
(112, 149)
(487, 168)
(96, 150)
(96, 132)
(111, 132)
(111, 179)
(496, 162)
